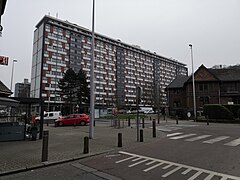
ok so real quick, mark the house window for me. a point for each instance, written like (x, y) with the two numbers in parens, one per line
(203, 87)
(204, 100)
(231, 87)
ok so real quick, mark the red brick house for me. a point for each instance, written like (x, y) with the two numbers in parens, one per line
(212, 86)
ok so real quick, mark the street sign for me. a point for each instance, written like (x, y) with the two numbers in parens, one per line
(3, 60)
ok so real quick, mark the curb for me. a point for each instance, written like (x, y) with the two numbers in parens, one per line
(51, 163)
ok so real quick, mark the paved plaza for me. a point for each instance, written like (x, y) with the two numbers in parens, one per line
(66, 144)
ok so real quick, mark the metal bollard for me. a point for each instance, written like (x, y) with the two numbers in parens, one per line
(143, 123)
(154, 128)
(158, 119)
(129, 123)
(86, 145)
(177, 119)
(94, 123)
(207, 120)
(119, 139)
(45, 146)
(141, 135)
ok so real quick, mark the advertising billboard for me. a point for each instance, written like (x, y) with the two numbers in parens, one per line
(4, 60)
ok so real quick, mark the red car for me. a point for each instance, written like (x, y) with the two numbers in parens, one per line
(73, 119)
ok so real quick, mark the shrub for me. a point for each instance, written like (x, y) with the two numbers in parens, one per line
(217, 111)
(233, 108)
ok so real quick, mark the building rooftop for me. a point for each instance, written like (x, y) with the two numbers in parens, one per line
(4, 91)
(77, 28)
(178, 82)
(226, 74)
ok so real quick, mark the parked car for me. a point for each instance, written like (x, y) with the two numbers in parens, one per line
(73, 119)
(149, 111)
(50, 116)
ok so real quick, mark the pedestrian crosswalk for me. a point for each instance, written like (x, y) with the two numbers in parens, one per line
(206, 138)
(171, 168)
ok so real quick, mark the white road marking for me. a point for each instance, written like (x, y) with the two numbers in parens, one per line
(182, 136)
(209, 177)
(171, 172)
(178, 166)
(153, 167)
(173, 134)
(211, 141)
(150, 163)
(224, 178)
(198, 138)
(136, 159)
(235, 142)
(125, 159)
(138, 163)
(195, 175)
(168, 166)
(186, 171)
(168, 129)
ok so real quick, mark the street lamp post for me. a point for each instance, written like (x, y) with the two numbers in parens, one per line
(92, 85)
(12, 73)
(193, 82)
(49, 96)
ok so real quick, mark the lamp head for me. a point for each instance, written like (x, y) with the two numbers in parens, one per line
(190, 45)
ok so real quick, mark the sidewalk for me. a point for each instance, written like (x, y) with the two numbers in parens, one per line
(66, 144)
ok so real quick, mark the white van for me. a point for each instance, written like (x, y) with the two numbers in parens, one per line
(146, 110)
(51, 116)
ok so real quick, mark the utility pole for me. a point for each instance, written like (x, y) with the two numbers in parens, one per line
(193, 82)
(12, 73)
(92, 85)
(138, 100)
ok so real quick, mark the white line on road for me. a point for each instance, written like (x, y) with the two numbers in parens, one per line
(195, 175)
(168, 129)
(168, 166)
(235, 142)
(150, 163)
(171, 172)
(182, 136)
(198, 138)
(173, 134)
(186, 171)
(136, 159)
(125, 159)
(160, 162)
(153, 167)
(209, 177)
(211, 141)
(138, 163)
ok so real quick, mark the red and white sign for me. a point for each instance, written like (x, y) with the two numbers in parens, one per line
(3, 60)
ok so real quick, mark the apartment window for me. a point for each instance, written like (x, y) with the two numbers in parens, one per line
(176, 104)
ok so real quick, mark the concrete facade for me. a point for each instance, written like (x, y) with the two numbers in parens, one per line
(118, 67)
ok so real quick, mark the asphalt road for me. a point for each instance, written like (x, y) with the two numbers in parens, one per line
(187, 152)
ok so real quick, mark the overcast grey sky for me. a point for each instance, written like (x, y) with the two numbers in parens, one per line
(162, 26)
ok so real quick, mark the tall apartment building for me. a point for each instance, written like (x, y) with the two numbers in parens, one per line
(118, 67)
(22, 89)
